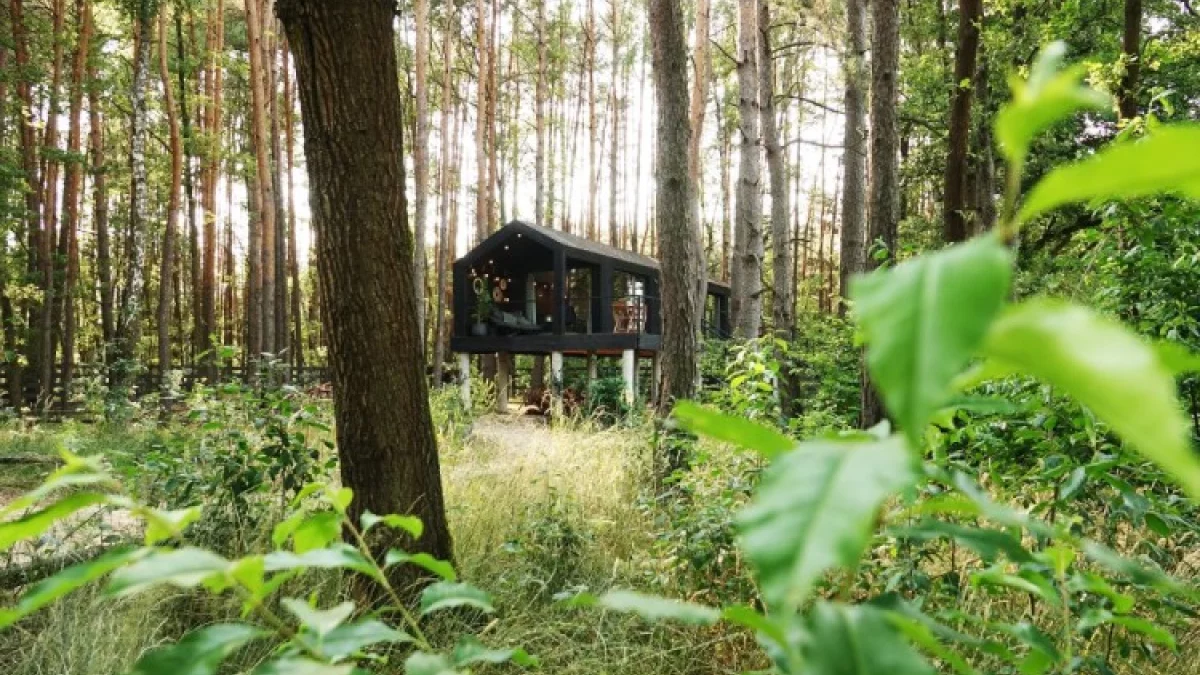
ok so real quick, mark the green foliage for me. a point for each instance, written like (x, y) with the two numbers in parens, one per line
(326, 640)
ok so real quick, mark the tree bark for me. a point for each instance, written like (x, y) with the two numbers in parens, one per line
(297, 301)
(678, 233)
(746, 282)
(954, 209)
(129, 320)
(614, 233)
(206, 323)
(446, 242)
(166, 271)
(263, 176)
(421, 157)
(589, 55)
(782, 305)
(72, 189)
(482, 186)
(100, 209)
(1131, 47)
(853, 243)
(539, 111)
(885, 197)
(347, 80)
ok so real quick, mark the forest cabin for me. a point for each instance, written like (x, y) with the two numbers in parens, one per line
(528, 289)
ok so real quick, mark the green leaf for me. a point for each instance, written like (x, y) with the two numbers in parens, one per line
(76, 472)
(200, 652)
(48, 590)
(424, 663)
(470, 650)
(162, 525)
(298, 665)
(443, 595)
(1148, 628)
(337, 556)
(923, 321)
(748, 617)
(340, 499)
(923, 636)
(1050, 95)
(321, 621)
(1168, 160)
(185, 568)
(34, 524)
(736, 430)
(989, 544)
(409, 524)
(857, 640)
(439, 567)
(656, 608)
(1106, 367)
(317, 531)
(815, 509)
(350, 638)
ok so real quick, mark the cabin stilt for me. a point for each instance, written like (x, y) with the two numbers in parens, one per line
(464, 379)
(629, 372)
(556, 379)
(504, 363)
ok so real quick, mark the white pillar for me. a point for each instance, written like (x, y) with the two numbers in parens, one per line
(629, 370)
(556, 382)
(592, 369)
(503, 379)
(464, 379)
(656, 383)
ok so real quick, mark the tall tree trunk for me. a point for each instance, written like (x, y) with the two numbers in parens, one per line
(8, 320)
(782, 315)
(700, 84)
(482, 186)
(259, 82)
(446, 245)
(206, 323)
(166, 271)
(297, 301)
(614, 233)
(954, 209)
(100, 208)
(539, 112)
(347, 78)
(278, 250)
(129, 320)
(589, 55)
(421, 157)
(679, 236)
(1131, 47)
(634, 242)
(746, 280)
(853, 244)
(885, 182)
(72, 189)
(189, 186)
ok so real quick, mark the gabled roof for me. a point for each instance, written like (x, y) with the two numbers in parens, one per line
(581, 247)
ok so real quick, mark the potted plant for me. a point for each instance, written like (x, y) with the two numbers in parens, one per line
(483, 307)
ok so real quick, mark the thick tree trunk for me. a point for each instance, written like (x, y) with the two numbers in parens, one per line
(782, 304)
(421, 158)
(679, 236)
(699, 99)
(853, 243)
(347, 79)
(885, 180)
(1131, 47)
(746, 304)
(166, 270)
(189, 186)
(954, 209)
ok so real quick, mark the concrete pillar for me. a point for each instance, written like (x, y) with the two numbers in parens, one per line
(629, 371)
(503, 381)
(464, 379)
(592, 369)
(556, 382)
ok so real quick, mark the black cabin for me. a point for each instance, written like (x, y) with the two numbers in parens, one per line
(533, 290)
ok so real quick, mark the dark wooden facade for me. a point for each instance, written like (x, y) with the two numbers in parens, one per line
(555, 292)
